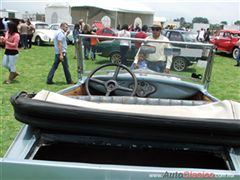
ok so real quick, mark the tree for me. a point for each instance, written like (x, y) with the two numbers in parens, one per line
(223, 22)
(200, 20)
(182, 21)
(237, 22)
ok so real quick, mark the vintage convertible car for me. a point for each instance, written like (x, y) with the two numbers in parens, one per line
(42, 34)
(118, 123)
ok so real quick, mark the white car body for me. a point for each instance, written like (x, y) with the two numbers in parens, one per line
(43, 34)
(56, 26)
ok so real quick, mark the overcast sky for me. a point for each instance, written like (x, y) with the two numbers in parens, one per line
(214, 10)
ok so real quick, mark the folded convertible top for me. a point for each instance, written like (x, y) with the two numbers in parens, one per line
(212, 123)
(218, 110)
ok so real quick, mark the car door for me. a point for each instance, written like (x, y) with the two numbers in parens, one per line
(224, 42)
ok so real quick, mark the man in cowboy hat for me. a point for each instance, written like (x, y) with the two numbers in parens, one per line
(157, 61)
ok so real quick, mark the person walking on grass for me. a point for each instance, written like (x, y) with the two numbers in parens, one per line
(30, 33)
(60, 48)
(125, 45)
(11, 41)
(238, 55)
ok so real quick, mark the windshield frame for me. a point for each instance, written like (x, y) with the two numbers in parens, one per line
(203, 81)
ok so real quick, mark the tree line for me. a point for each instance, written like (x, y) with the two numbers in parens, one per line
(203, 20)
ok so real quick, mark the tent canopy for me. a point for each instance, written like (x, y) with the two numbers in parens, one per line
(119, 6)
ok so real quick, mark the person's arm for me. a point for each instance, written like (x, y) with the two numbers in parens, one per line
(33, 29)
(60, 50)
(169, 61)
(129, 42)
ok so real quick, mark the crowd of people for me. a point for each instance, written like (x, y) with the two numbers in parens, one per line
(157, 61)
(15, 36)
(203, 35)
(26, 31)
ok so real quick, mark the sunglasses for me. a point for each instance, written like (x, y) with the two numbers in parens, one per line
(156, 29)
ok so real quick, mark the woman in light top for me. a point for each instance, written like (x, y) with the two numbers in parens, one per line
(125, 45)
(11, 41)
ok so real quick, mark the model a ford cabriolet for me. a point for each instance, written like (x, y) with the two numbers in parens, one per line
(118, 123)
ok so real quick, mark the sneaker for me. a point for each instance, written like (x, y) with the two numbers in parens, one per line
(7, 82)
(71, 82)
(50, 82)
(15, 75)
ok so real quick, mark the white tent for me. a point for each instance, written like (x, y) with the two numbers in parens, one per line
(116, 12)
(58, 12)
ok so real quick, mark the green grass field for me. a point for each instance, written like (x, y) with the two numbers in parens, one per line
(34, 64)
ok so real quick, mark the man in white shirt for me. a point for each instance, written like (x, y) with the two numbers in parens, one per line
(201, 35)
(158, 61)
(125, 45)
(60, 49)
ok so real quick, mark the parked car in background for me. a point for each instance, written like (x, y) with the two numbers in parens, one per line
(105, 31)
(56, 26)
(184, 59)
(225, 41)
(43, 34)
(2, 29)
(111, 49)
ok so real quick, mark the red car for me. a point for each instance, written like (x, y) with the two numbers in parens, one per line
(106, 31)
(225, 41)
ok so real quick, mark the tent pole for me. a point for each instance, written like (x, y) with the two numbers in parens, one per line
(116, 19)
(87, 16)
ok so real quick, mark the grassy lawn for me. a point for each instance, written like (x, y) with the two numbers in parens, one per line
(34, 64)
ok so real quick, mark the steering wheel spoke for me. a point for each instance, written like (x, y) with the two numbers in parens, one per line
(124, 89)
(97, 81)
(108, 93)
(116, 73)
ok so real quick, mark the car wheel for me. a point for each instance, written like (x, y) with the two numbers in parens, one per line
(235, 53)
(179, 64)
(115, 58)
(38, 41)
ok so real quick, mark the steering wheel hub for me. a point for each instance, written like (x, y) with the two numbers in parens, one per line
(111, 85)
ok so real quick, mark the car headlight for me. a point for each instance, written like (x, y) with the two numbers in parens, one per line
(45, 37)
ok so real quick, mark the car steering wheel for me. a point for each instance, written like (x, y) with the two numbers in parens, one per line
(111, 85)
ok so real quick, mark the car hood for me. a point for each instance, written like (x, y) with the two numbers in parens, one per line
(47, 32)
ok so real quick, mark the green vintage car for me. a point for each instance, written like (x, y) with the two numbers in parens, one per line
(111, 48)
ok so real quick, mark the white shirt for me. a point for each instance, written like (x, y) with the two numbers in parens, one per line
(159, 54)
(124, 33)
(201, 34)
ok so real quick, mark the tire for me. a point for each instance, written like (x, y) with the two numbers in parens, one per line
(179, 64)
(38, 41)
(115, 58)
(235, 53)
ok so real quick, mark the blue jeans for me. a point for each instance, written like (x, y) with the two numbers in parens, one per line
(87, 49)
(93, 53)
(24, 40)
(158, 66)
(55, 66)
(238, 57)
(9, 62)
